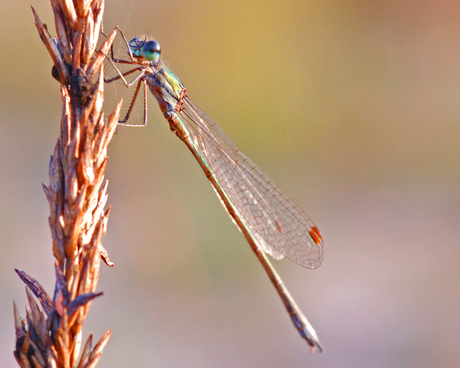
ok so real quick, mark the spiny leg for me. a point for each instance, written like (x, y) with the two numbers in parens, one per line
(137, 80)
(122, 75)
(121, 61)
(130, 109)
(131, 56)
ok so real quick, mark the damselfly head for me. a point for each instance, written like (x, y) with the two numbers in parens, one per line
(143, 49)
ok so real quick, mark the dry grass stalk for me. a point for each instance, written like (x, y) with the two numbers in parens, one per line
(51, 336)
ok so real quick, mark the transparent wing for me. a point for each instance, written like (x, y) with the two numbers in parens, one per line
(278, 225)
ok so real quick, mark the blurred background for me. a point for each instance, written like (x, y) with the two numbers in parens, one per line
(353, 108)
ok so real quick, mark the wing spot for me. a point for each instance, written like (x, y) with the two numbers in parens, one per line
(316, 236)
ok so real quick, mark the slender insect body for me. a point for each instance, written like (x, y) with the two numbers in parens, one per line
(269, 220)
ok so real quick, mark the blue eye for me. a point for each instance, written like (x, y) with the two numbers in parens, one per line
(135, 45)
(151, 50)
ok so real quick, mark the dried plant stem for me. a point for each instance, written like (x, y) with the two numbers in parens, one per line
(77, 195)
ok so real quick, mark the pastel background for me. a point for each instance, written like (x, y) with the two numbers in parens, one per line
(352, 107)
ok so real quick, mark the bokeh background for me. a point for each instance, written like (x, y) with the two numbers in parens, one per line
(352, 107)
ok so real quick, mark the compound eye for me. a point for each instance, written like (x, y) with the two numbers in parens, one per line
(152, 50)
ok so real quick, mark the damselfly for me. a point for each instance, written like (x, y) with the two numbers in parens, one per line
(270, 221)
